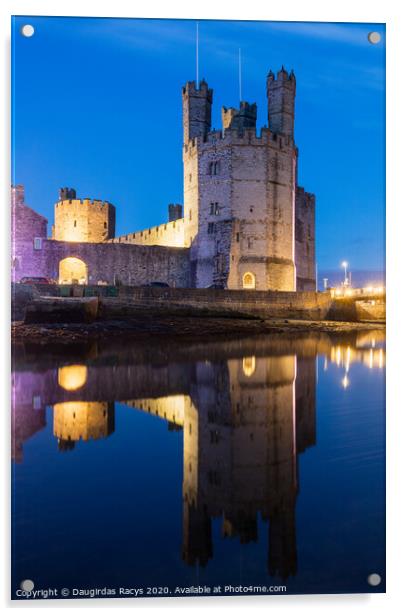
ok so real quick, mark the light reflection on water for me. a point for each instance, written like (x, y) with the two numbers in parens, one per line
(271, 467)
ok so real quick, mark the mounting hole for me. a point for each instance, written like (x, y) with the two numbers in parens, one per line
(374, 37)
(27, 30)
(27, 585)
(374, 579)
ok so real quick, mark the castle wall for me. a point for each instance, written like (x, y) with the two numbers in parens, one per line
(305, 240)
(167, 234)
(281, 214)
(214, 207)
(28, 229)
(115, 263)
(83, 220)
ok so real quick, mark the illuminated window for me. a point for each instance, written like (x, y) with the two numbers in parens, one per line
(248, 365)
(248, 281)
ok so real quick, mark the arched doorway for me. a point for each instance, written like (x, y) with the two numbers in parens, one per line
(248, 281)
(73, 271)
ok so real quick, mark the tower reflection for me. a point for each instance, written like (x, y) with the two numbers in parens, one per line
(246, 411)
(244, 424)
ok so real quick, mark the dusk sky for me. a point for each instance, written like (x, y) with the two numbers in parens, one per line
(97, 107)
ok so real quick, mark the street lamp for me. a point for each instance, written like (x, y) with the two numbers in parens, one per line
(345, 266)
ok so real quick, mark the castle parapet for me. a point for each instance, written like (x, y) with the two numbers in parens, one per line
(234, 136)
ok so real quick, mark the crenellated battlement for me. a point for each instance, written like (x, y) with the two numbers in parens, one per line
(233, 137)
(281, 75)
(166, 234)
(86, 202)
(190, 89)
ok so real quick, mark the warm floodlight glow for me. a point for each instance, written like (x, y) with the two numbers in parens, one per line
(72, 377)
(248, 366)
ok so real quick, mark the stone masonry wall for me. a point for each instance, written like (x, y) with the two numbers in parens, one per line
(305, 240)
(115, 263)
(266, 304)
(28, 230)
(167, 234)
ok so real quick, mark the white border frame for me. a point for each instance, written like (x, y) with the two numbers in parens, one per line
(293, 10)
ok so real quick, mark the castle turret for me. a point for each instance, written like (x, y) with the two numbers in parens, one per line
(67, 193)
(281, 92)
(197, 105)
(82, 220)
(239, 119)
(175, 211)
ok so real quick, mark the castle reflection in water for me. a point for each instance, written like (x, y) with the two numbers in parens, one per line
(246, 409)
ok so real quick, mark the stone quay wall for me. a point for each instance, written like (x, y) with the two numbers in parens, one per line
(265, 304)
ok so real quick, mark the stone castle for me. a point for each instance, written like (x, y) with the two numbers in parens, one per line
(246, 223)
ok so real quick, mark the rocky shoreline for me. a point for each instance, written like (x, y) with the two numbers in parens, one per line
(176, 327)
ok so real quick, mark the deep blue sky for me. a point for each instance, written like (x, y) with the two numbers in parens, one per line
(97, 106)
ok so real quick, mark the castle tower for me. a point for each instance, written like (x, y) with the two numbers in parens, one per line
(82, 220)
(240, 191)
(76, 420)
(197, 108)
(281, 94)
(239, 119)
(197, 105)
(175, 211)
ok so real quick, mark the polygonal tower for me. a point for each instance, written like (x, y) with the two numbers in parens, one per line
(240, 191)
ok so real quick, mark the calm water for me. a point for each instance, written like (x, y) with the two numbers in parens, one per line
(249, 462)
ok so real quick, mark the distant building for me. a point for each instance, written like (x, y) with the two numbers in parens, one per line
(246, 223)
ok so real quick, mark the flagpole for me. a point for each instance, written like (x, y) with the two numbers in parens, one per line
(196, 57)
(240, 93)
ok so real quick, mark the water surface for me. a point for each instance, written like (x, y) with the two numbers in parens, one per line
(245, 462)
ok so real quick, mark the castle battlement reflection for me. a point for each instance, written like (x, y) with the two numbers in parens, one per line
(245, 421)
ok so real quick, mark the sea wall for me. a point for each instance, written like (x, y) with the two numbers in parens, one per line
(265, 304)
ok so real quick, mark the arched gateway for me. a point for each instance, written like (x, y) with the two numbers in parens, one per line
(73, 271)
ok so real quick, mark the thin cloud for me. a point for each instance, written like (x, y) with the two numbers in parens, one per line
(353, 34)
